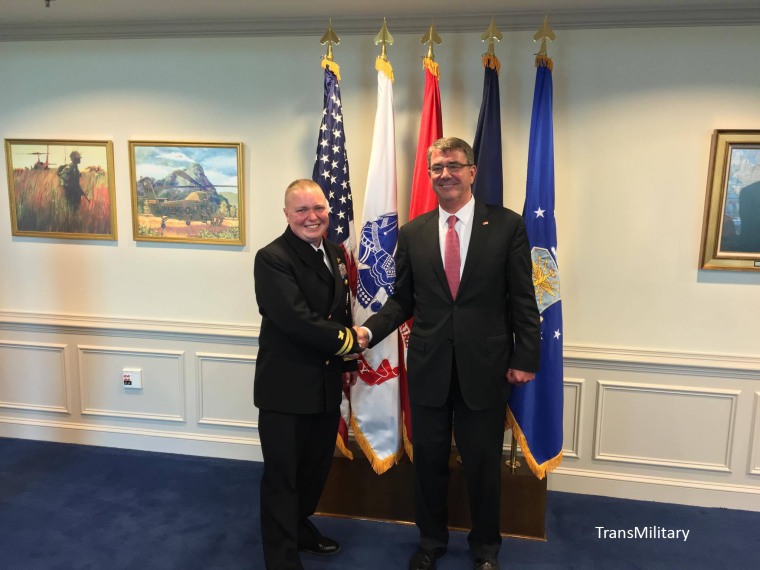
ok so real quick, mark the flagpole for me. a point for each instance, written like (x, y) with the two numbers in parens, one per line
(535, 409)
(488, 186)
(375, 398)
(331, 173)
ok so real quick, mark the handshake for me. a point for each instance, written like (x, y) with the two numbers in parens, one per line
(362, 336)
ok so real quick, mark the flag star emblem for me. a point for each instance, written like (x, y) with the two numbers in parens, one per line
(539, 213)
(557, 334)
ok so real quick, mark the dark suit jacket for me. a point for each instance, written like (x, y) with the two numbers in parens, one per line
(493, 323)
(305, 327)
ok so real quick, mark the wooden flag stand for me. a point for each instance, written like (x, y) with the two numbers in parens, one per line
(354, 490)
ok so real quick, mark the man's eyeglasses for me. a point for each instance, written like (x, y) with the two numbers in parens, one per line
(452, 167)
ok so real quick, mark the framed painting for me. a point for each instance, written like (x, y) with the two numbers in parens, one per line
(61, 188)
(187, 192)
(731, 228)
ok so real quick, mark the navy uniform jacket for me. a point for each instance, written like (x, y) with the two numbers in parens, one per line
(305, 328)
(492, 325)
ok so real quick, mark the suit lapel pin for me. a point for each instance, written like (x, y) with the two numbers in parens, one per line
(485, 223)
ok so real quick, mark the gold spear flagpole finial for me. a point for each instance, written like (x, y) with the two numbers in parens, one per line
(430, 37)
(329, 38)
(384, 38)
(544, 33)
(491, 34)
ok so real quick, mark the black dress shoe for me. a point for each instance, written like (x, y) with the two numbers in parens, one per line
(323, 547)
(487, 564)
(422, 560)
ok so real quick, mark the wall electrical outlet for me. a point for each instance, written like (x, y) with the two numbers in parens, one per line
(132, 378)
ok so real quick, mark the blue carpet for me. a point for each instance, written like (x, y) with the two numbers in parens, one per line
(81, 507)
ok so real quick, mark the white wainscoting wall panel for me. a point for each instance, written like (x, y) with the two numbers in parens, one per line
(33, 377)
(631, 416)
(162, 396)
(572, 418)
(754, 454)
(225, 390)
(642, 424)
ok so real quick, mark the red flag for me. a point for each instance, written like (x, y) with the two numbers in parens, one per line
(431, 129)
(422, 200)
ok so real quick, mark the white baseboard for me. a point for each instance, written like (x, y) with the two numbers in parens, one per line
(656, 489)
(248, 449)
(642, 488)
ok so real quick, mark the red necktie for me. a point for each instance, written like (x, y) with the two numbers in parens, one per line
(451, 257)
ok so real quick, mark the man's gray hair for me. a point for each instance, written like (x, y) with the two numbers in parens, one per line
(447, 144)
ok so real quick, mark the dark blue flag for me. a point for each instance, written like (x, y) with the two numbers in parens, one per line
(489, 185)
(536, 408)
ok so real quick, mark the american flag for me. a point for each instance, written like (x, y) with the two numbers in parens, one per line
(331, 173)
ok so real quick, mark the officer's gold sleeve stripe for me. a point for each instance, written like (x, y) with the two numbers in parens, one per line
(347, 344)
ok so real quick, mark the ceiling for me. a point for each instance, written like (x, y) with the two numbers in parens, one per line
(89, 19)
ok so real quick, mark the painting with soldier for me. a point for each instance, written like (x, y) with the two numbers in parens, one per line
(61, 188)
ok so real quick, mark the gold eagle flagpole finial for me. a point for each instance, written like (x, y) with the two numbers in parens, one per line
(430, 37)
(491, 34)
(383, 39)
(544, 33)
(329, 38)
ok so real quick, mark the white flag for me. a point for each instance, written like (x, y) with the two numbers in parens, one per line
(375, 406)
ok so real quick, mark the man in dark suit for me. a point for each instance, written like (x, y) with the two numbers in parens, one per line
(304, 359)
(463, 271)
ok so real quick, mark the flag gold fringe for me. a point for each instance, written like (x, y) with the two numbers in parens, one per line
(342, 448)
(332, 66)
(379, 465)
(385, 66)
(544, 61)
(544, 468)
(431, 66)
(407, 444)
(491, 61)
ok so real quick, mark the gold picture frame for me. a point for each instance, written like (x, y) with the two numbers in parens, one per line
(187, 192)
(731, 227)
(61, 188)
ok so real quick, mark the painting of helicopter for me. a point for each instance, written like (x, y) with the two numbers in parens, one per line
(187, 192)
(38, 164)
(196, 207)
